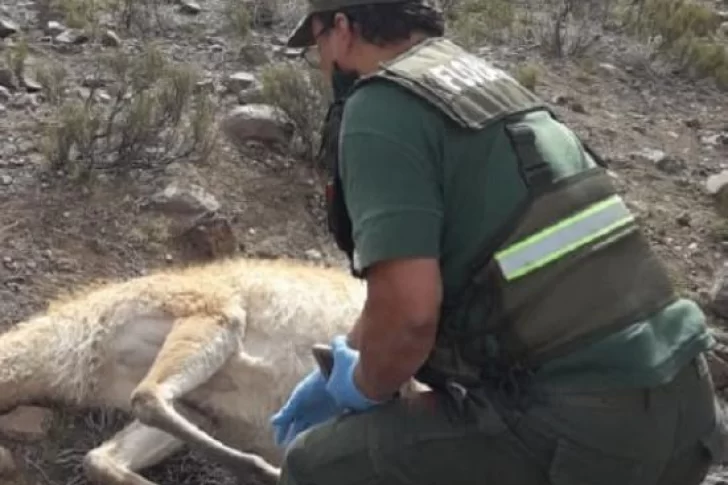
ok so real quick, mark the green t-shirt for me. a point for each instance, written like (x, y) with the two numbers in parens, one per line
(416, 185)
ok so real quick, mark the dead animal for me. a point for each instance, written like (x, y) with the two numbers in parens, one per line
(202, 356)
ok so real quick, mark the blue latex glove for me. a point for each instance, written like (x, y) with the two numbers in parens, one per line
(341, 383)
(309, 404)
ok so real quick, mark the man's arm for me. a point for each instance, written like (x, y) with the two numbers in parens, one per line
(391, 177)
(397, 327)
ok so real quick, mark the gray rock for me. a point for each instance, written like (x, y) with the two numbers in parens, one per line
(257, 122)
(186, 199)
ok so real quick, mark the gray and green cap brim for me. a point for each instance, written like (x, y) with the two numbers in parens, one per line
(302, 34)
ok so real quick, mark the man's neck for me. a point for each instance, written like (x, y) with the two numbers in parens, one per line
(375, 55)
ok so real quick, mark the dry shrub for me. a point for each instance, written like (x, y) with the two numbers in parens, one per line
(52, 76)
(155, 116)
(568, 27)
(473, 22)
(80, 14)
(16, 56)
(527, 75)
(302, 94)
(684, 30)
(135, 17)
(239, 19)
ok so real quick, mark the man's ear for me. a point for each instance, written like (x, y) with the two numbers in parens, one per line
(344, 36)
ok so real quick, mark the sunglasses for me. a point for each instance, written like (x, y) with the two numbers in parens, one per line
(310, 54)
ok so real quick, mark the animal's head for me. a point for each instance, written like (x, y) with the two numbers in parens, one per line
(324, 357)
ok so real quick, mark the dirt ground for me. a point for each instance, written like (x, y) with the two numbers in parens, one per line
(57, 233)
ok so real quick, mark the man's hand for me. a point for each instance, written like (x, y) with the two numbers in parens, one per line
(397, 328)
(341, 383)
(309, 404)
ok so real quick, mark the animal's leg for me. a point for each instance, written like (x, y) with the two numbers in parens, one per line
(195, 349)
(134, 448)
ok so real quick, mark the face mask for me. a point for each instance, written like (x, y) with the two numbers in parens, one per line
(342, 80)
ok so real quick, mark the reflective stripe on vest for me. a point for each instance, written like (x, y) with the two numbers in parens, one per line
(564, 237)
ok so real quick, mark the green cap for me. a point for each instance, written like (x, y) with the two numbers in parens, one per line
(302, 35)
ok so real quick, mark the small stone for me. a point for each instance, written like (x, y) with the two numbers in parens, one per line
(577, 107)
(54, 28)
(661, 160)
(205, 86)
(693, 123)
(189, 7)
(31, 85)
(6, 179)
(8, 28)
(5, 94)
(239, 81)
(110, 39)
(608, 68)
(251, 95)
(683, 219)
(314, 254)
(72, 37)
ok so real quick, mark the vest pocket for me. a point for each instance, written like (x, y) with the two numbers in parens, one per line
(576, 465)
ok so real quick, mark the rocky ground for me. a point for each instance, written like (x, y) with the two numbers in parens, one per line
(664, 134)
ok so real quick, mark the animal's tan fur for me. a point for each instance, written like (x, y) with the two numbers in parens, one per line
(226, 342)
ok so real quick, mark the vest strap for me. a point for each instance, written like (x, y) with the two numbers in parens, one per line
(537, 173)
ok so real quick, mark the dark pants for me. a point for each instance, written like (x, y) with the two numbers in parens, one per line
(663, 436)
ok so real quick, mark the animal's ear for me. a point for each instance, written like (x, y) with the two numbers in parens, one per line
(324, 358)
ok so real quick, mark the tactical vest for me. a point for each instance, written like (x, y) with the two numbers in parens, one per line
(570, 266)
